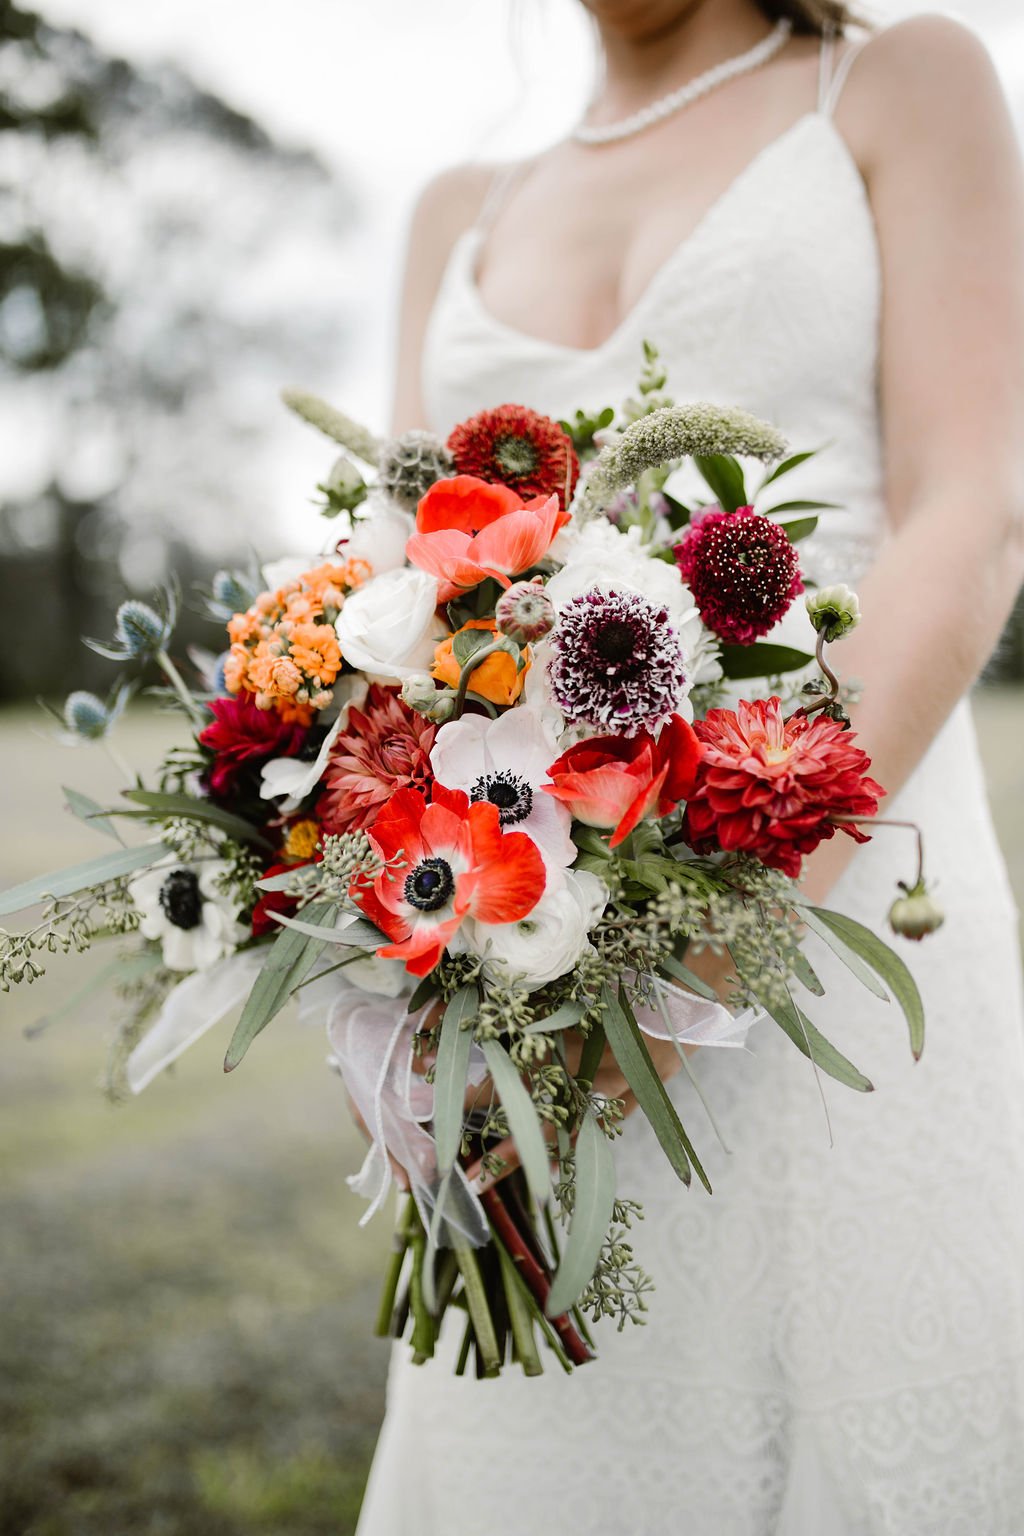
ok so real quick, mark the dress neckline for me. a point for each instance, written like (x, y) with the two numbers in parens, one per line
(466, 250)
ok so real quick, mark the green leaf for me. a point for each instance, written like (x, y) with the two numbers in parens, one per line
(450, 1073)
(163, 805)
(803, 506)
(864, 974)
(523, 1120)
(562, 1018)
(786, 465)
(89, 811)
(801, 529)
(289, 960)
(638, 1069)
(680, 972)
(794, 1022)
(590, 1056)
(592, 1213)
(804, 971)
(468, 641)
(886, 964)
(759, 660)
(81, 877)
(724, 475)
(357, 935)
(422, 993)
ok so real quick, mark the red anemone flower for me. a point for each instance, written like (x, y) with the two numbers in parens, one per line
(772, 787)
(615, 782)
(445, 862)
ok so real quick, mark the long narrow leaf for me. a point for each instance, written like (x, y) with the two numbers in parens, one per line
(633, 1057)
(794, 1022)
(592, 1212)
(803, 506)
(725, 478)
(804, 971)
(680, 972)
(91, 813)
(802, 528)
(193, 810)
(758, 660)
(357, 935)
(450, 1073)
(786, 465)
(853, 962)
(289, 959)
(886, 964)
(80, 877)
(562, 1018)
(523, 1120)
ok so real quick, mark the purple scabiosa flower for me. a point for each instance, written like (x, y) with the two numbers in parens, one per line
(617, 663)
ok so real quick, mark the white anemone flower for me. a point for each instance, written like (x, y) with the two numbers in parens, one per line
(506, 761)
(184, 907)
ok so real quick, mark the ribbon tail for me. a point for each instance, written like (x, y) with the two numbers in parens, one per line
(194, 1006)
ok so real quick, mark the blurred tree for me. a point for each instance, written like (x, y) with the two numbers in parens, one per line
(164, 266)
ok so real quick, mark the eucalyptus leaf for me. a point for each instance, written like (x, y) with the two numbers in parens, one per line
(804, 971)
(562, 1018)
(794, 1022)
(886, 964)
(357, 935)
(450, 1073)
(81, 877)
(853, 962)
(724, 475)
(760, 660)
(289, 960)
(680, 972)
(592, 1213)
(192, 809)
(91, 812)
(634, 1059)
(523, 1120)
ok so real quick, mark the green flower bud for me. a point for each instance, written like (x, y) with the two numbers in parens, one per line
(833, 611)
(419, 692)
(525, 613)
(915, 914)
(344, 488)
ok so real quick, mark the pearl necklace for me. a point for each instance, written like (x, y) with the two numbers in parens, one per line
(693, 90)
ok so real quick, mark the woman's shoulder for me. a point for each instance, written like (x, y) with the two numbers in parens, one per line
(449, 203)
(925, 61)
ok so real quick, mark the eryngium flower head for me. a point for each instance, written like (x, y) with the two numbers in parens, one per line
(230, 593)
(409, 465)
(677, 432)
(915, 914)
(617, 664)
(525, 613)
(140, 630)
(742, 570)
(833, 611)
(86, 716)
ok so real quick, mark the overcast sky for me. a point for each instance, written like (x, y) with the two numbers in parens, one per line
(391, 90)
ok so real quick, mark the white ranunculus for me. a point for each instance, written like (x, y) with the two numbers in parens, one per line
(389, 627)
(278, 573)
(385, 978)
(548, 942)
(380, 536)
(296, 778)
(506, 761)
(183, 906)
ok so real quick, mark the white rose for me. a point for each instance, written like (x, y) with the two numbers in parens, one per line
(380, 537)
(388, 627)
(548, 942)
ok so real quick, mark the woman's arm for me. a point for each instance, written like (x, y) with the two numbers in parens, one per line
(946, 187)
(446, 207)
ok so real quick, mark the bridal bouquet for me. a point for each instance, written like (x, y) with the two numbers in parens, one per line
(478, 783)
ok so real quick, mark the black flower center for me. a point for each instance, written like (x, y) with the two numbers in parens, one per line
(615, 640)
(508, 791)
(181, 900)
(515, 455)
(429, 885)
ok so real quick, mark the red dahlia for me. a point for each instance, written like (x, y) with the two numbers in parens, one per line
(742, 570)
(242, 735)
(771, 787)
(518, 448)
(384, 747)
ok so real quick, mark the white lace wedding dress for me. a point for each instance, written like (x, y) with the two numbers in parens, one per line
(836, 1343)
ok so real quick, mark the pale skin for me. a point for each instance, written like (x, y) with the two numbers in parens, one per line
(926, 122)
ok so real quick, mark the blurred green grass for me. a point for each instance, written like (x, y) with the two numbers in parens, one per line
(187, 1300)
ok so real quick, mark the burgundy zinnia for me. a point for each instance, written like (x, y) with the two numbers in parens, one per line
(742, 570)
(242, 735)
(771, 787)
(617, 663)
(518, 448)
(384, 747)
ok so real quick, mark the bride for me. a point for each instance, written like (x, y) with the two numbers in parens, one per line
(832, 236)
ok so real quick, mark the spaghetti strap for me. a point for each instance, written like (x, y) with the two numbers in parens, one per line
(826, 60)
(838, 80)
(498, 188)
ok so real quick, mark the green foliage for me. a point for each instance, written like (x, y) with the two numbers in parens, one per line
(761, 660)
(593, 1201)
(289, 960)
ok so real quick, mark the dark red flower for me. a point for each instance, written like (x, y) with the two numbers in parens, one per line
(518, 448)
(742, 570)
(384, 747)
(242, 735)
(771, 787)
(614, 782)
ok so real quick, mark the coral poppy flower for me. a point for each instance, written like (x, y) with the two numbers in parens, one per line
(468, 530)
(448, 861)
(615, 782)
(770, 787)
(496, 678)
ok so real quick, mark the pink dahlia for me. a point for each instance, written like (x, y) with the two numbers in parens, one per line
(774, 788)
(742, 570)
(384, 747)
(244, 736)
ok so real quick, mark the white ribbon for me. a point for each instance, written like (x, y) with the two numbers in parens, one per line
(194, 1006)
(694, 1020)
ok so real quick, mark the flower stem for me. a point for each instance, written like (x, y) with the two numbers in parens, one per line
(479, 1311)
(888, 821)
(476, 660)
(519, 1315)
(177, 682)
(393, 1273)
(533, 1276)
(830, 677)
